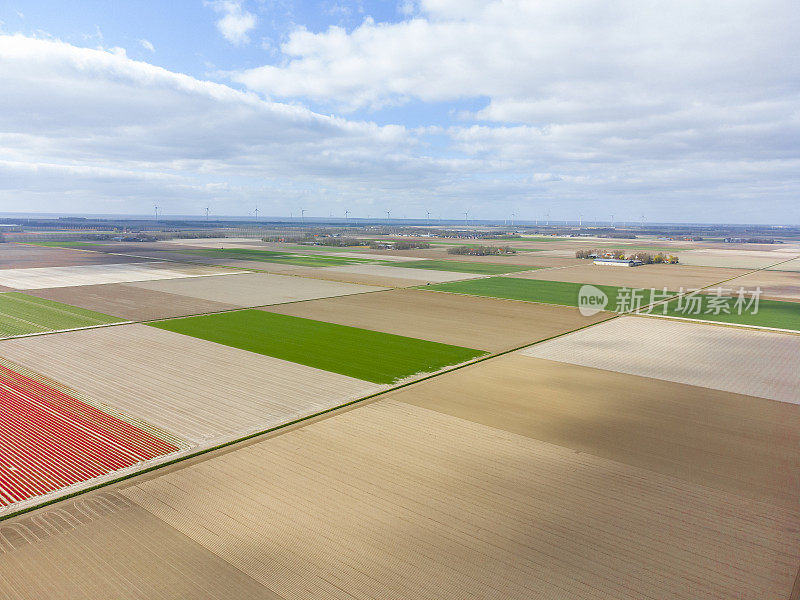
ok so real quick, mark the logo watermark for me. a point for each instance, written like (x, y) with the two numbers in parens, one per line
(591, 300)
(685, 302)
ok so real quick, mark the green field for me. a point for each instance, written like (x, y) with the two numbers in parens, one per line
(360, 353)
(460, 266)
(22, 314)
(771, 313)
(529, 290)
(276, 256)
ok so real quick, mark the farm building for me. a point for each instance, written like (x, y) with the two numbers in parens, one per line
(618, 262)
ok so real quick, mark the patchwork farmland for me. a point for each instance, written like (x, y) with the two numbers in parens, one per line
(392, 424)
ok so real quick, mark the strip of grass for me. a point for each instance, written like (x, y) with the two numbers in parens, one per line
(64, 244)
(771, 313)
(22, 314)
(360, 353)
(529, 290)
(276, 257)
(463, 266)
(329, 248)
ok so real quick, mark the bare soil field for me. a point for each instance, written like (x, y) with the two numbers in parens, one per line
(731, 442)
(735, 259)
(51, 277)
(196, 389)
(131, 303)
(24, 256)
(792, 265)
(756, 363)
(777, 285)
(533, 259)
(421, 276)
(108, 547)
(673, 277)
(395, 501)
(332, 274)
(484, 323)
(255, 289)
(218, 243)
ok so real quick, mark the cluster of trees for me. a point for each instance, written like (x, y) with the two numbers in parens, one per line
(339, 242)
(645, 257)
(481, 250)
(405, 245)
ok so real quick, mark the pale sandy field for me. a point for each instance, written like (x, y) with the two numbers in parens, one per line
(330, 274)
(395, 501)
(736, 443)
(196, 389)
(51, 277)
(737, 259)
(484, 323)
(757, 363)
(673, 277)
(240, 242)
(129, 302)
(792, 265)
(108, 547)
(421, 276)
(256, 289)
(777, 285)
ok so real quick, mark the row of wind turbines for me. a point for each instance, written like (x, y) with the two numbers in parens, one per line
(427, 215)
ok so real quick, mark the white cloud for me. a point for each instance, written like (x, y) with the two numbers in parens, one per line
(147, 45)
(236, 22)
(88, 117)
(621, 100)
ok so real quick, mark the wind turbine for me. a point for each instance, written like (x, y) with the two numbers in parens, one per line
(155, 208)
(548, 217)
(346, 212)
(612, 221)
(388, 213)
(206, 214)
(255, 212)
(303, 215)
(512, 218)
(466, 216)
(580, 220)
(428, 213)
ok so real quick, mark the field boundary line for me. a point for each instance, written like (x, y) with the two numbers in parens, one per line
(722, 323)
(24, 335)
(278, 428)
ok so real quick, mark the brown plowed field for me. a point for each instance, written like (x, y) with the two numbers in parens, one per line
(673, 277)
(255, 289)
(129, 302)
(741, 444)
(484, 323)
(24, 256)
(395, 501)
(108, 547)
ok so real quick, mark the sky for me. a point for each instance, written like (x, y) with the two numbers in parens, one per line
(662, 110)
